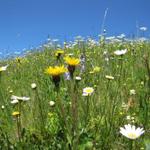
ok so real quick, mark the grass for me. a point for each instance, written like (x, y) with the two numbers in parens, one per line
(76, 122)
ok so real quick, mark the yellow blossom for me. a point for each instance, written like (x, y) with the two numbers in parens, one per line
(18, 60)
(56, 70)
(16, 113)
(72, 61)
(59, 52)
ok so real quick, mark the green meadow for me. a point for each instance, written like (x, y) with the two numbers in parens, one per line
(47, 116)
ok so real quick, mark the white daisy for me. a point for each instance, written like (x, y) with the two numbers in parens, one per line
(15, 101)
(3, 68)
(120, 52)
(3, 107)
(51, 103)
(87, 91)
(109, 77)
(13, 97)
(131, 132)
(33, 85)
(132, 92)
(78, 78)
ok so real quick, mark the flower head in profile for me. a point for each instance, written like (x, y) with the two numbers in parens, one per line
(3, 68)
(33, 86)
(78, 78)
(72, 63)
(11, 91)
(109, 77)
(18, 60)
(87, 91)
(56, 70)
(16, 114)
(58, 53)
(120, 52)
(132, 92)
(2, 107)
(14, 101)
(131, 132)
(52, 103)
(13, 97)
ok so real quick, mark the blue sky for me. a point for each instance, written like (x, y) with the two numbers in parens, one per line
(26, 23)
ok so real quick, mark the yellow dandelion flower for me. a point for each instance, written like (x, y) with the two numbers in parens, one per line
(56, 70)
(72, 61)
(18, 60)
(16, 113)
(59, 52)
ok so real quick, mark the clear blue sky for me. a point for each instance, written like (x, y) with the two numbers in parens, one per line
(25, 23)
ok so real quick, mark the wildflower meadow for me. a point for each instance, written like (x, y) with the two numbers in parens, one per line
(86, 95)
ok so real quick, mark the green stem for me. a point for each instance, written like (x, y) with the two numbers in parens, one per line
(74, 94)
(131, 145)
(18, 128)
(62, 110)
(40, 112)
(87, 111)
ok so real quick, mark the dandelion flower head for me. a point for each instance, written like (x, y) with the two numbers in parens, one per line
(56, 70)
(72, 61)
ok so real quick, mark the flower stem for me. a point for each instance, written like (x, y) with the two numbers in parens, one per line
(19, 128)
(131, 145)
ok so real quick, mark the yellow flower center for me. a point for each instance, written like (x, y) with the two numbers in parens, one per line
(16, 113)
(88, 90)
(132, 135)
